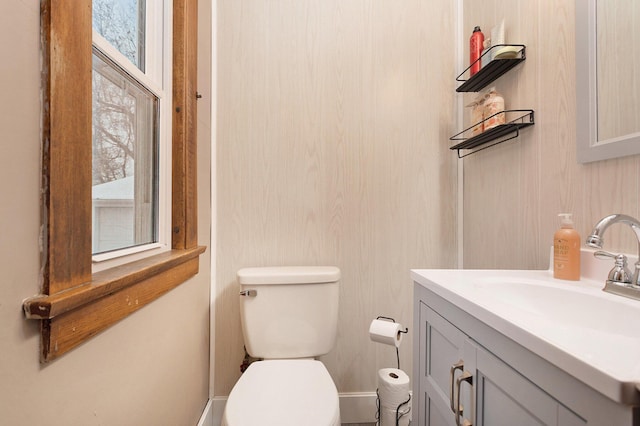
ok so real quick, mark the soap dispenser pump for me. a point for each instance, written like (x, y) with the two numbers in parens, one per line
(566, 250)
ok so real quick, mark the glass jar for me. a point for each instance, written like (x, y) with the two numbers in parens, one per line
(493, 109)
(477, 115)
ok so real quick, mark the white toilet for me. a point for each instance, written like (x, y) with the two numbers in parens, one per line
(289, 316)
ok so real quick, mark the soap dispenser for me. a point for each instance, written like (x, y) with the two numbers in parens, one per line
(566, 250)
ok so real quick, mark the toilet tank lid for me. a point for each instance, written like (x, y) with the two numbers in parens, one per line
(289, 275)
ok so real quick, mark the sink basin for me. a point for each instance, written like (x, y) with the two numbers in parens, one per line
(591, 334)
(589, 321)
(568, 307)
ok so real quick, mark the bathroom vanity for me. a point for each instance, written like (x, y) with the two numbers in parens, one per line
(521, 348)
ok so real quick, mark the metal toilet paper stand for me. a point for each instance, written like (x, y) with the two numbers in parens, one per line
(399, 413)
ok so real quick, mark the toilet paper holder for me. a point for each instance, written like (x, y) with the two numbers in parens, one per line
(403, 408)
(405, 331)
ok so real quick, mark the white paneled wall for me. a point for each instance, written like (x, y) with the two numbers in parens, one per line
(332, 148)
(513, 192)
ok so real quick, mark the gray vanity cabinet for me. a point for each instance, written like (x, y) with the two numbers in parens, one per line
(506, 384)
(503, 397)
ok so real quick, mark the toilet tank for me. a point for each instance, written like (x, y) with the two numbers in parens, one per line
(289, 312)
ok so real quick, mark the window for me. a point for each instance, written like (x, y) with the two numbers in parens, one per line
(77, 302)
(124, 159)
(131, 119)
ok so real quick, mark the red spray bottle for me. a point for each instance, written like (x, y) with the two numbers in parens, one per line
(475, 50)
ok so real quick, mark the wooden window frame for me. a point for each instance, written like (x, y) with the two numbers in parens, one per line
(75, 303)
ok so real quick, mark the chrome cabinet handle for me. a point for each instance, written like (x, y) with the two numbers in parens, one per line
(465, 377)
(249, 293)
(457, 366)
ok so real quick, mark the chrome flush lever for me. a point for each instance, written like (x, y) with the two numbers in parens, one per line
(249, 293)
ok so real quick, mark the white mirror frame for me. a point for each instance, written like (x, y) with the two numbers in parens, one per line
(589, 148)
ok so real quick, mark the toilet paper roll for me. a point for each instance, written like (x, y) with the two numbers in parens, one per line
(393, 388)
(386, 332)
(388, 417)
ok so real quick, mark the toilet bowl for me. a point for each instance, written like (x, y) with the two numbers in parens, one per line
(283, 393)
(289, 316)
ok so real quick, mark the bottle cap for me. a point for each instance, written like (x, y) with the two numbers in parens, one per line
(565, 220)
(476, 29)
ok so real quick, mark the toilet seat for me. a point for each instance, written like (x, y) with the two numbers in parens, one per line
(283, 393)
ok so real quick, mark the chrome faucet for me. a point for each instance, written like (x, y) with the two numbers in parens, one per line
(620, 281)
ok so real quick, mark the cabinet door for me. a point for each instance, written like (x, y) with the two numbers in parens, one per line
(442, 346)
(506, 398)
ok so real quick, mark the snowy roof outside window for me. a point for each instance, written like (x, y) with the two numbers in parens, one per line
(120, 189)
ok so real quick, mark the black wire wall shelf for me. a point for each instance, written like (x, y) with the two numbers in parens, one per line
(518, 119)
(494, 68)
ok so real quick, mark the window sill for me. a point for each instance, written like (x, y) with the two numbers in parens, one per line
(71, 316)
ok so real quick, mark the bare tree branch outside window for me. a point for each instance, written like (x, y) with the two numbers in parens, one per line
(119, 22)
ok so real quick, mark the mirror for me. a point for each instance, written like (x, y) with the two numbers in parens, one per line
(607, 82)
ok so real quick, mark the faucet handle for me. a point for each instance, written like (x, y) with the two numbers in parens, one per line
(601, 254)
(620, 273)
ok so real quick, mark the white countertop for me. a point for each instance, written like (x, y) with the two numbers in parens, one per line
(592, 335)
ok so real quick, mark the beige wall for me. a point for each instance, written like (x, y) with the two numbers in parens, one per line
(152, 367)
(332, 149)
(513, 192)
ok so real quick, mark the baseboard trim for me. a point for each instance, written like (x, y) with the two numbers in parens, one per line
(355, 407)
(206, 419)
